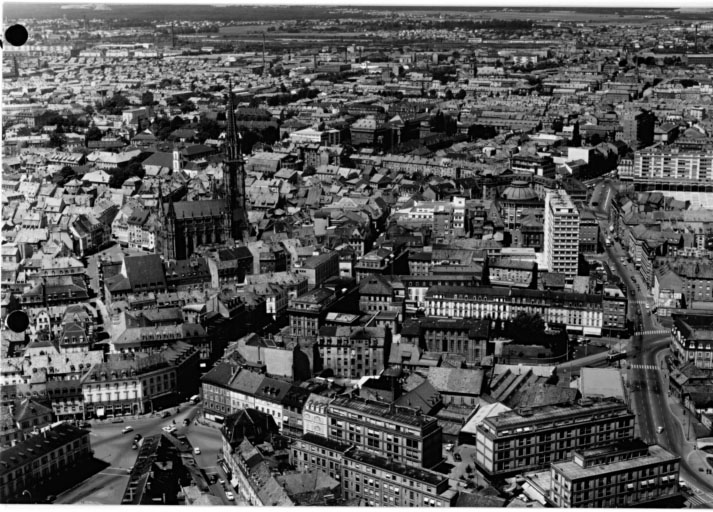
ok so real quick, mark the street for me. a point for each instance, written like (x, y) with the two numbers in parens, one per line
(647, 380)
(113, 447)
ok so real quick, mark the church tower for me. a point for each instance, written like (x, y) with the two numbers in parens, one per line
(236, 226)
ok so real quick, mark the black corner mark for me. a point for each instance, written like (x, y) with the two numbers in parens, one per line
(16, 35)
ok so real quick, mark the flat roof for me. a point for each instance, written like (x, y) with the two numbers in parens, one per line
(551, 413)
(422, 475)
(657, 455)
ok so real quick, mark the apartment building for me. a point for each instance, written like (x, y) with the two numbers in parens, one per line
(670, 164)
(517, 441)
(400, 433)
(307, 312)
(352, 352)
(628, 474)
(311, 452)
(692, 339)
(385, 483)
(374, 479)
(561, 234)
(30, 464)
(638, 128)
(614, 310)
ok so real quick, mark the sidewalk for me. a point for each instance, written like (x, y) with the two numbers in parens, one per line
(691, 429)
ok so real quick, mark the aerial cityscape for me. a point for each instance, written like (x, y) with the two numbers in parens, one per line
(357, 255)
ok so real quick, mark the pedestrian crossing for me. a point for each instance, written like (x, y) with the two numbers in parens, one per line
(650, 332)
(644, 367)
(697, 500)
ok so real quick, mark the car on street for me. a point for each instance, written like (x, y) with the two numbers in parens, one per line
(659, 429)
(50, 498)
(129, 470)
(170, 429)
(186, 422)
(127, 429)
(457, 457)
(449, 447)
(221, 481)
(137, 437)
(197, 451)
(117, 420)
(229, 495)
(166, 414)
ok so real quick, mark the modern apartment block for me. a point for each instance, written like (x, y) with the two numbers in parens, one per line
(671, 163)
(399, 433)
(561, 234)
(517, 441)
(628, 474)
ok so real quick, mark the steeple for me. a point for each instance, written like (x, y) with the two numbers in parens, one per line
(232, 139)
(161, 211)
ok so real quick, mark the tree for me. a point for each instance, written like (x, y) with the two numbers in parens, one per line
(526, 328)
(57, 140)
(64, 175)
(24, 132)
(479, 131)
(116, 104)
(188, 106)
(147, 98)
(449, 94)
(461, 94)
(208, 129)
(93, 133)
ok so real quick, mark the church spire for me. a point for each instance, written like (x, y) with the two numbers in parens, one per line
(232, 138)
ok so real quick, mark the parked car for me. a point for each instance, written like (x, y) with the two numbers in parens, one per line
(197, 450)
(127, 429)
(50, 498)
(118, 420)
(457, 457)
(229, 495)
(166, 414)
(170, 429)
(449, 447)
(186, 422)
(137, 437)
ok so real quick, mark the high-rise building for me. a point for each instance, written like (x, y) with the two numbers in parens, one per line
(561, 234)
(638, 128)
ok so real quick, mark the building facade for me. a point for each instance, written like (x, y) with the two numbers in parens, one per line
(630, 474)
(513, 441)
(561, 234)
